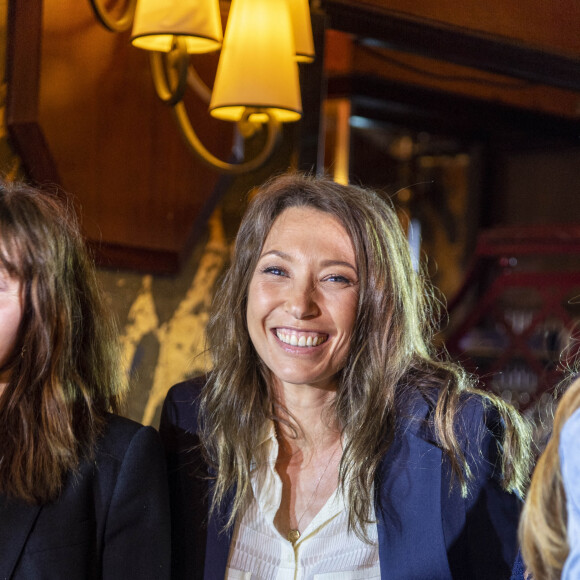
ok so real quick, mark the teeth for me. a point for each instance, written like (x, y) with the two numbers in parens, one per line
(304, 341)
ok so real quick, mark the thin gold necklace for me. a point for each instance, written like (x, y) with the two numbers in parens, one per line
(294, 533)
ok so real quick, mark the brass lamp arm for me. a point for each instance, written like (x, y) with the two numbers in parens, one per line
(211, 160)
(170, 79)
(120, 24)
(197, 84)
(171, 73)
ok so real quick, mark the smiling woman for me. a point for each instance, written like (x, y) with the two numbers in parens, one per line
(335, 440)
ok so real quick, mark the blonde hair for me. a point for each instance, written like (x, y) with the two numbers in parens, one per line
(543, 525)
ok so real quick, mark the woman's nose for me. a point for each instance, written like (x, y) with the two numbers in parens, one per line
(301, 301)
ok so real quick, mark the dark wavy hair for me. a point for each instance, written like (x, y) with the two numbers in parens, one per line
(64, 374)
(390, 359)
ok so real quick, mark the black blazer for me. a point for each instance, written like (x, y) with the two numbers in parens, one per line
(426, 529)
(111, 520)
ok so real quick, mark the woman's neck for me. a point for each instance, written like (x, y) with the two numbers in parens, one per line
(307, 423)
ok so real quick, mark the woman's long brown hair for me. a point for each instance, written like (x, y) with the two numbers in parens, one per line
(391, 358)
(64, 373)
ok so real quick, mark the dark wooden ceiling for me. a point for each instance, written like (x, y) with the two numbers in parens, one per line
(533, 41)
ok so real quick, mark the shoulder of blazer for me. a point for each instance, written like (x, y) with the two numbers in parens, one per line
(118, 435)
(475, 419)
(181, 405)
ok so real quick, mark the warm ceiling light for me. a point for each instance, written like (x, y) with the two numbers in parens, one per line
(257, 69)
(157, 22)
(257, 77)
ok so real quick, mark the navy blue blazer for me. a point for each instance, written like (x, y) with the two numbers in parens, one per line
(426, 529)
(111, 520)
(519, 569)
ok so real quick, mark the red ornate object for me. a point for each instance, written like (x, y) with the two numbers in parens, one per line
(516, 320)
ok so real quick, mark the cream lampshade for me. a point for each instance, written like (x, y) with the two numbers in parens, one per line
(158, 21)
(257, 67)
(303, 41)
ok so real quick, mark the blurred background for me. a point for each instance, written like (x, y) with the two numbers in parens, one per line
(466, 115)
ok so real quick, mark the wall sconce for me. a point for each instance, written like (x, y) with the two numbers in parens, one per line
(257, 76)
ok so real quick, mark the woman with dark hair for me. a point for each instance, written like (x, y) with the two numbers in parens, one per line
(82, 491)
(334, 441)
(550, 524)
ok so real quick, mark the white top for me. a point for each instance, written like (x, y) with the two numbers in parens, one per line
(570, 465)
(325, 549)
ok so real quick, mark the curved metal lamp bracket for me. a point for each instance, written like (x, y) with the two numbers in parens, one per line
(119, 24)
(172, 72)
(197, 84)
(211, 160)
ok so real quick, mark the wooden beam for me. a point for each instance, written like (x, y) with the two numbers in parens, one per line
(489, 52)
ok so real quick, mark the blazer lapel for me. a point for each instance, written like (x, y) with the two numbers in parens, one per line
(16, 521)
(408, 509)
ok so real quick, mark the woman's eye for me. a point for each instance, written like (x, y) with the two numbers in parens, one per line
(338, 278)
(274, 270)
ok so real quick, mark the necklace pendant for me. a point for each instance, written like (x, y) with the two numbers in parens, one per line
(293, 536)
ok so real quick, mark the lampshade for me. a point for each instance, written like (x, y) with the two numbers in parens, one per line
(157, 21)
(302, 26)
(257, 66)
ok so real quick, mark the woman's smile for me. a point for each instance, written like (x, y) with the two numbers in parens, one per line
(303, 298)
(300, 339)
